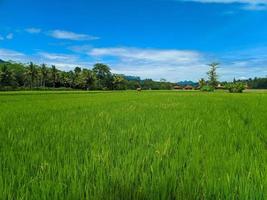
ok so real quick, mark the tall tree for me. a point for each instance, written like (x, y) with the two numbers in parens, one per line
(71, 79)
(88, 77)
(77, 70)
(31, 73)
(212, 74)
(78, 77)
(119, 83)
(64, 79)
(201, 82)
(6, 77)
(44, 75)
(54, 75)
(103, 75)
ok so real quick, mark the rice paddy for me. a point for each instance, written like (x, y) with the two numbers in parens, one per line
(133, 145)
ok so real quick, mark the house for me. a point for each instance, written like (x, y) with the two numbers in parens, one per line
(219, 86)
(188, 87)
(177, 87)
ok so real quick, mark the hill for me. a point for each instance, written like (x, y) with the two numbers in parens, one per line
(185, 83)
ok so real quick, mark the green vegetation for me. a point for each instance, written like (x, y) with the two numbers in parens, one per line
(256, 83)
(17, 76)
(207, 88)
(202, 83)
(212, 83)
(212, 75)
(133, 145)
(237, 87)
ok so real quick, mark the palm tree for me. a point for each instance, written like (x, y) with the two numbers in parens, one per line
(71, 78)
(88, 78)
(44, 74)
(78, 77)
(31, 73)
(201, 82)
(63, 79)
(118, 81)
(103, 75)
(54, 75)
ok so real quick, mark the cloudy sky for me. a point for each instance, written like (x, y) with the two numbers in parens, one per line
(171, 39)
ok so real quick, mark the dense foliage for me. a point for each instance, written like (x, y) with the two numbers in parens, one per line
(19, 76)
(256, 83)
(207, 88)
(236, 87)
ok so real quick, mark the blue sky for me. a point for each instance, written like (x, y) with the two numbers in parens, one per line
(172, 39)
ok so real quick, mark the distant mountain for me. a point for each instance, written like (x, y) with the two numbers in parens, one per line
(185, 83)
(1, 61)
(132, 78)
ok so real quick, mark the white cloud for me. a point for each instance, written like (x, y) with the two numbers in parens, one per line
(246, 63)
(33, 30)
(231, 1)
(247, 4)
(54, 56)
(62, 61)
(67, 35)
(255, 7)
(153, 63)
(148, 55)
(174, 65)
(241, 70)
(7, 54)
(9, 36)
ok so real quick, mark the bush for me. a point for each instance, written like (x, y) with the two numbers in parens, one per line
(207, 88)
(236, 87)
(14, 88)
(8, 88)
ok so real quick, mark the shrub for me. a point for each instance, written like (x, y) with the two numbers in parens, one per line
(8, 88)
(207, 88)
(235, 87)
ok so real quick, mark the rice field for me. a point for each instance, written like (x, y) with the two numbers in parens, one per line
(133, 145)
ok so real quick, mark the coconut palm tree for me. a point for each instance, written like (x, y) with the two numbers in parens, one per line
(54, 75)
(44, 75)
(88, 77)
(31, 73)
(201, 83)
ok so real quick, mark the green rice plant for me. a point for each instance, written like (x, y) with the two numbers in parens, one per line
(132, 145)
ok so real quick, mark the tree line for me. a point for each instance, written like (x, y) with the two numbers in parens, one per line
(32, 76)
(16, 76)
(256, 83)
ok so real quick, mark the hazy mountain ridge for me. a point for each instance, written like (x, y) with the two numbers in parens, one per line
(185, 83)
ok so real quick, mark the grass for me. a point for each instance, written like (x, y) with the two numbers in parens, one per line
(130, 145)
